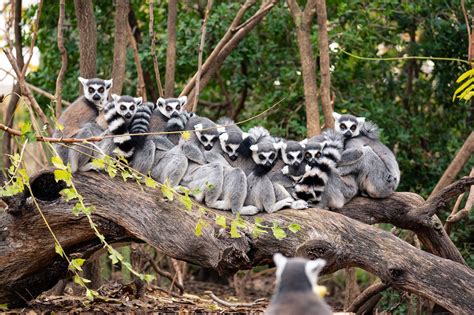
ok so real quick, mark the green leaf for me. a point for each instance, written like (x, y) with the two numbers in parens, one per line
(98, 163)
(126, 175)
(234, 233)
(112, 171)
(199, 226)
(167, 190)
(90, 294)
(465, 75)
(278, 232)
(76, 264)
(59, 250)
(24, 175)
(294, 227)
(185, 135)
(240, 222)
(63, 175)
(4, 307)
(150, 182)
(186, 201)
(58, 162)
(256, 231)
(77, 209)
(69, 194)
(27, 133)
(221, 221)
(148, 278)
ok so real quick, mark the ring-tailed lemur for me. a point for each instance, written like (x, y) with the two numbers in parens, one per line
(168, 116)
(296, 287)
(376, 171)
(82, 114)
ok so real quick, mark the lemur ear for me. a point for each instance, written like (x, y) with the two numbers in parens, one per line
(282, 145)
(285, 170)
(183, 100)
(108, 83)
(198, 127)
(304, 143)
(220, 129)
(361, 120)
(323, 144)
(138, 100)
(83, 81)
(224, 136)
(315, 266)
(160, 102)
(115, 97)
(280, 260)
(278, 145)
(253, 148)
(336, 115)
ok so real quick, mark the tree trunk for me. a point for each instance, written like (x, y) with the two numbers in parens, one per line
(120, 45)
(324, 63)
(171, 49)
(342, 241)
(87, 38)
(63, 52)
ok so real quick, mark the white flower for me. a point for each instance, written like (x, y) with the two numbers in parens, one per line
(298, 72)
(332, 68)
(427, 66)
(334, 47)
(381, 49)
(399, 48)
(276, 82)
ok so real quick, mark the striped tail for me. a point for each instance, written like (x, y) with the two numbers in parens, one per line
(118, 126)
(312, 185)
(141, 122)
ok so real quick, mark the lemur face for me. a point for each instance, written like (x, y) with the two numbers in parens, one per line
(292, 152)
(313, 153)
(230, 143)
(207, 135)
(126, 106)
(96, 90)
(265, 154)
(348, 125)
(171, 107)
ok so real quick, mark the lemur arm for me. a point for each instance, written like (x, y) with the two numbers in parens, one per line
(162, 143)
(351, 156)
(192, 152)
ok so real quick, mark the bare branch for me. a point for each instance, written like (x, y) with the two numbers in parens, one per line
(141, 81)
(201, 48)
(367, 294)
(151, 29)
(171, 48)
(63, 52)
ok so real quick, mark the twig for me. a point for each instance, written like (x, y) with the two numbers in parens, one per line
(201, 48)
(456, 217)
(63, 52)
(179, 274)
(260, 12)
(366, 295)
(153, 49)
(33, 39)
(468, 27)
(447, 225)
(164, 273)
(230, 304)
(136, 57)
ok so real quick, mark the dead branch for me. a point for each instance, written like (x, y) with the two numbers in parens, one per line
(231, 304)
(448, 224)
(120, 45)
(171, 48)
(86, 24)
(456, 216)
(33, 40)
(63, 52)
(324, 63)
(200, 51)
(340, 240)
(165, 274)
(352, 288)
(151, 29)
(141, 81)
(461, 158)
(373, 290)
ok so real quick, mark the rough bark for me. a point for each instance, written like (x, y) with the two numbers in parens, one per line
(29, 264)
(303, 20)
(87, 38)
(461, 158)
(120, 45)
(63, 52)
(324, 63)
(141, 89)
(171, 48)
(151, 29)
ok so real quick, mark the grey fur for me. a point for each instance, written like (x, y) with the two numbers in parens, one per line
(377, 173)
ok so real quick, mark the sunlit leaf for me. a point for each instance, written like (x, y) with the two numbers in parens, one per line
(186, 201)
(278, 232)
(221, 221)
(63, 175)
(198, 230)
(150, 182)
(234, 233)
(69, 194)
(126, 175)
(58, 162)
(98, 163)
(294, 227)
(59, 250)
(185, 135)
(167, 190)
(148, 278)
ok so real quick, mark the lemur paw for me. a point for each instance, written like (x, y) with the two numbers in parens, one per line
(299, 204)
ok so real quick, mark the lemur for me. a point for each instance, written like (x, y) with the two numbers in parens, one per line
(376, 171)
(262, 193)
(296, 287)
(83, 112)
(290, 167)
(169, 116)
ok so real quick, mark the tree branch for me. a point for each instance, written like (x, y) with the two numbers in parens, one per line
(141, 81)
(63, 52)
(171, 48)
(367, 294)
(151, 29)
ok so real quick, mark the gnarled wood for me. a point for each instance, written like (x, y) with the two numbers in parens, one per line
(29, 265)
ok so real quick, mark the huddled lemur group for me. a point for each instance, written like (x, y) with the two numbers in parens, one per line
(223, 166)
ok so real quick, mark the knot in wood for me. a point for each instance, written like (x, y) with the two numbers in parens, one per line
(396, 274)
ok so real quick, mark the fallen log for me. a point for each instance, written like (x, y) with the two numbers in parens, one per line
(126, 212)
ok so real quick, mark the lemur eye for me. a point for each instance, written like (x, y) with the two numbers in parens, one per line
(203, 139)
(91, 90)
(353, 127)
(101, 90)
(178, 107)
(132, 107)
(228, 149)
(343, 126)
(272, 156)
(307, 155)
(300, 155)
(318, 154)
(168, 108)
(122, 107)
(289, 157)
(261, 157)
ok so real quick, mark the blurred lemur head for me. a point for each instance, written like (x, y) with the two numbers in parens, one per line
(171, 107)
(230, 143)
(96, 90)
(348, 125)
